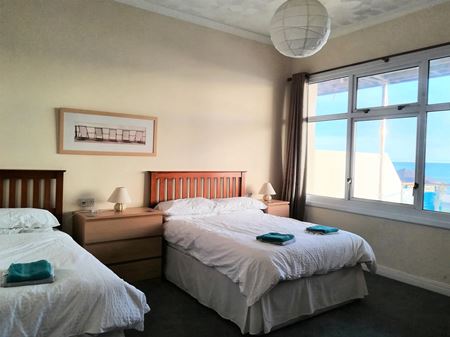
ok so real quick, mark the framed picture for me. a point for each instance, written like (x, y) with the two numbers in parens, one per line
(106, 133)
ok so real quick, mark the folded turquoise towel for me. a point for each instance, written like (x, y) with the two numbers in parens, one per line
(5, 284)
(322, 229)
(23, 272)
(276, 238)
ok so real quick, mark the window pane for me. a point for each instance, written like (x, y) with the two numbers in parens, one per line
(327, 143)
(437, 162)
(393, 88)
(439, 81)
(384, 161)
(329, 97)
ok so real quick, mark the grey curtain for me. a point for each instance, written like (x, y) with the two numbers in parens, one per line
(294, 186)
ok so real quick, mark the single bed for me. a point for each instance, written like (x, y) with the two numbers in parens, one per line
(207, 255)
(85, 299)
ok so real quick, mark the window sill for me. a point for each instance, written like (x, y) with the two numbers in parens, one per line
(402, 213)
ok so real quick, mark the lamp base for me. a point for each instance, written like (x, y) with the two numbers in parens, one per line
(119, 207)
(267, 197)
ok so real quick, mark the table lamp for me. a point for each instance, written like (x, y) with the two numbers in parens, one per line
(268, 191)
(120, 196)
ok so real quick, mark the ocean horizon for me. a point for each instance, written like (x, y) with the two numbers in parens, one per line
(436, 172)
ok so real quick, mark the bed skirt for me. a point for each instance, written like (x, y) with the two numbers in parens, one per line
(115, 333)
(287, 302)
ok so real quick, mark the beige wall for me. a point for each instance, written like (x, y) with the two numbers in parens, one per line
(218, 97)
(414, 249)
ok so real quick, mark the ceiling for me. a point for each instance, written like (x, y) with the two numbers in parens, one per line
(251, 18)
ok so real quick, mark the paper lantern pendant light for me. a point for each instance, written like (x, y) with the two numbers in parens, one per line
(300, 28)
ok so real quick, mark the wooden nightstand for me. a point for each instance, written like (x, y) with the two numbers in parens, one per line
(129, 243)
(277, 207)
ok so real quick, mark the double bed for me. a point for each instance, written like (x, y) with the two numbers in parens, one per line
(213, 255)
(86, 297)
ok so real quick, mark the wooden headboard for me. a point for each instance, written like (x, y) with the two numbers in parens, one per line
(169, 185)
(32, 188)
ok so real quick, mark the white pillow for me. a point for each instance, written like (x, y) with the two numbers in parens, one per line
(10, 231)
(191, 206)
(238, 204)
(26, 219)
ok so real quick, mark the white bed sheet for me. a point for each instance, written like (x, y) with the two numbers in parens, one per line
(86, 297)
(228, 243)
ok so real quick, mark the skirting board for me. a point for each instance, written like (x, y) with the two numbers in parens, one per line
(421, 282)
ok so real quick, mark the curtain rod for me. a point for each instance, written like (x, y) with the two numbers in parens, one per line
(383, 58)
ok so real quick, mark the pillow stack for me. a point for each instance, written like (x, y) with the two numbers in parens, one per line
(26, 220)
(191, 206)
(203, 206)
(227, 205)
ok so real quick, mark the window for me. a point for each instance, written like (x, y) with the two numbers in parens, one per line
(327, 98)
(385, 153)
(437, 163)
(439, 81)
(326, 158)
(378, 136)
(393, 88)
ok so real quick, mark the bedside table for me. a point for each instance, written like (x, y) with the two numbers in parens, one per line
(129, 242)
(277, 207)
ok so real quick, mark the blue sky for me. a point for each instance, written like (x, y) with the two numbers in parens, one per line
(401, 132)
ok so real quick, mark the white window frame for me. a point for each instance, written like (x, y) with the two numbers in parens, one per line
(401, 212)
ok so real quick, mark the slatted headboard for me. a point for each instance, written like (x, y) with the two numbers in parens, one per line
(32, 188)
(169, 185)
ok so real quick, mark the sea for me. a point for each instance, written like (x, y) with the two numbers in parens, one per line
(435, 173)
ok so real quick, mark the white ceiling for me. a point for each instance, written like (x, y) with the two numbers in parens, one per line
(251, 18)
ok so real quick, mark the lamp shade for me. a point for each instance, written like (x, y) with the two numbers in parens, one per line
(120, 195)
(300, 28)
(267, 188)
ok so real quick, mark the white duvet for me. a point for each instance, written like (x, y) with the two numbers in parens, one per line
(228, 243)
(86, 296)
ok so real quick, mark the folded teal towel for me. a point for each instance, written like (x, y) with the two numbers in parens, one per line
(5, 284)
(322, 229)
(276, 238)
(23, 272)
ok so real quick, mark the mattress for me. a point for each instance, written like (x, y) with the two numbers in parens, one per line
(286, 303)
(86, 297)
(227, 243)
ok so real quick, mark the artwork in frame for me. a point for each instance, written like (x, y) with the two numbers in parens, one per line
(106, 133)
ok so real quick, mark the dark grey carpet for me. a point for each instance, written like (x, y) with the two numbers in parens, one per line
(392, 309)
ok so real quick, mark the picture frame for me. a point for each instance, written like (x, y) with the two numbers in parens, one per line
(92, 132)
